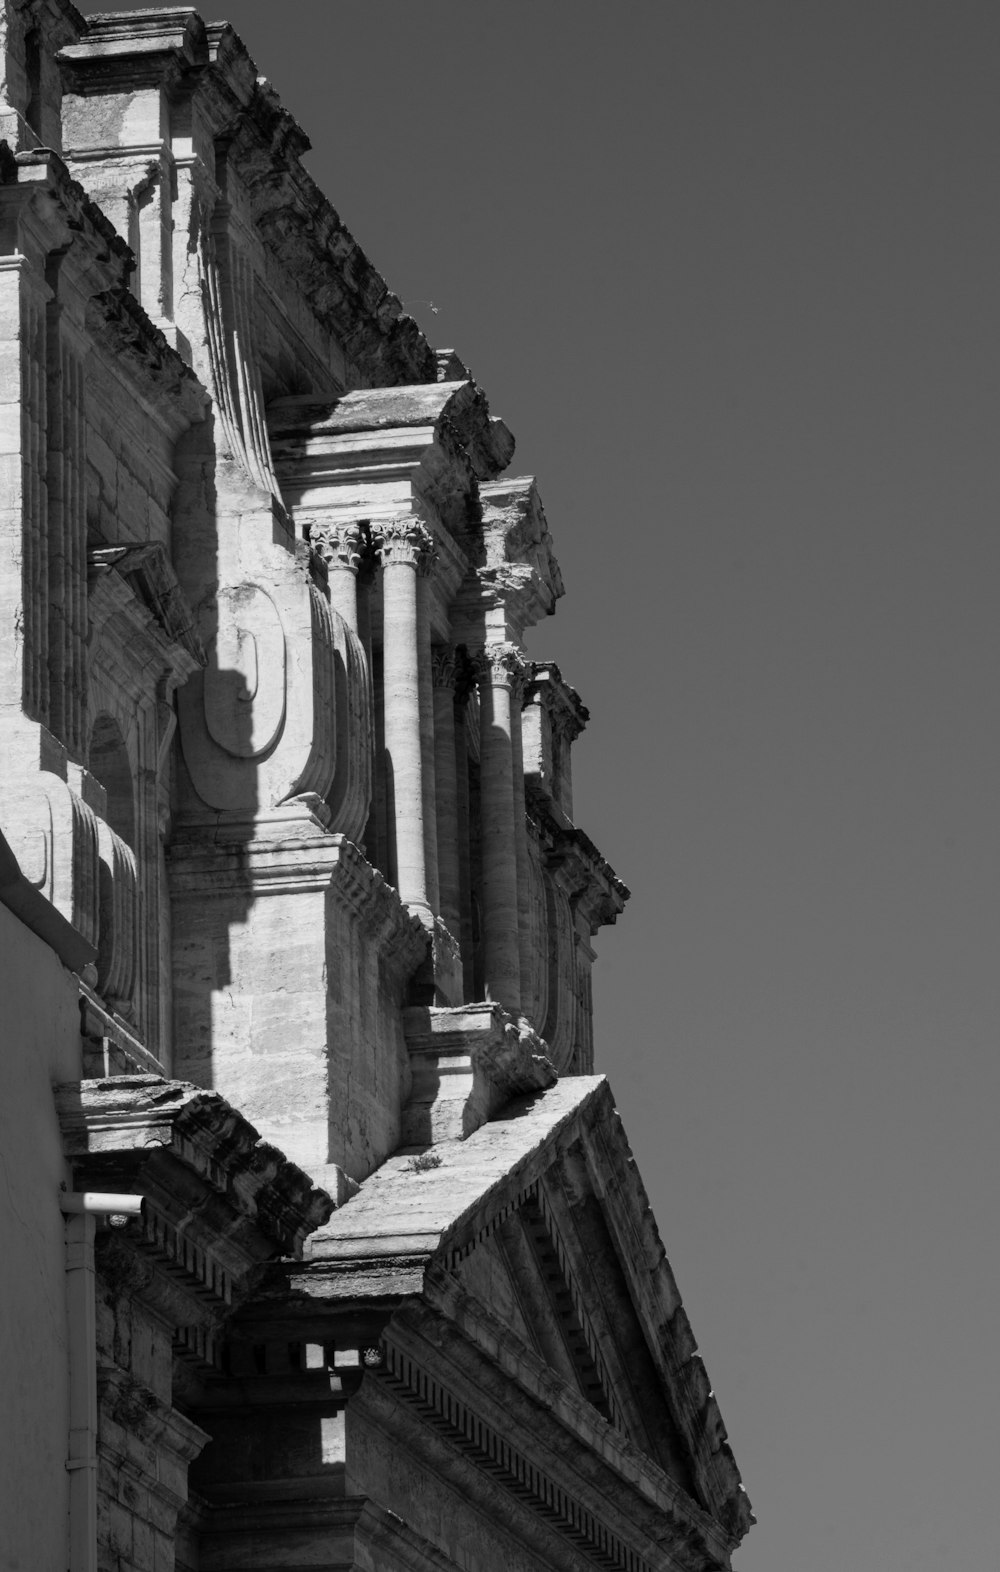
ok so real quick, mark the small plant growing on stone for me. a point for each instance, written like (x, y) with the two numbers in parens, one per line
(425, 1160)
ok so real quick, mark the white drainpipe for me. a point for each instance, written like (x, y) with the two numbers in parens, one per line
(81, 1211)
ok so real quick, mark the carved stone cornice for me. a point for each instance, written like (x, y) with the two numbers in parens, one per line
(175, 51)
(565, 1457)
(171, 1140)
(590, 883)
(567, 713)
(51, 211)
(403, 540)
(520, 575)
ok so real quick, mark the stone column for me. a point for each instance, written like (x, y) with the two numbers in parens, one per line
(402, 543)
(519, 682)
(340, 546)
(464, 685)
(500, 674)
(427, 719)
(446, 782)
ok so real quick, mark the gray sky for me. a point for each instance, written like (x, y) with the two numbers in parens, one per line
(728, 272)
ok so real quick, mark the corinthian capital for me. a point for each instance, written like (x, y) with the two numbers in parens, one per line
(340, 545)
(443, 666)
(403, 540)
(503, 666)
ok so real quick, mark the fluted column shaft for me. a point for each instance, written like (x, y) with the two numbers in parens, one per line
(500, 673)
(402, 544)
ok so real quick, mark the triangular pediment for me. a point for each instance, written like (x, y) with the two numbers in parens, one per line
(541, 1223)
(516, 1274)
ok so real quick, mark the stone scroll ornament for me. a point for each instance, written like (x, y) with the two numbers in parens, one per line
(258, 726)
(245, 684)
(56, 837)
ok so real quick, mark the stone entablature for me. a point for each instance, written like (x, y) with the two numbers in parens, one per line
(554, 716)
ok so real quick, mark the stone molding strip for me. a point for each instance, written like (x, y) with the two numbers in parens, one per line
(508, 1465)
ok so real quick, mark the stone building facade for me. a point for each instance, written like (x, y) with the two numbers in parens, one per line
(323, 1244)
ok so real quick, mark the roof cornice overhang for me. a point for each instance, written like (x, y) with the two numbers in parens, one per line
(375, 452)
(174, 51)
(44, 211)
(201, 1162)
